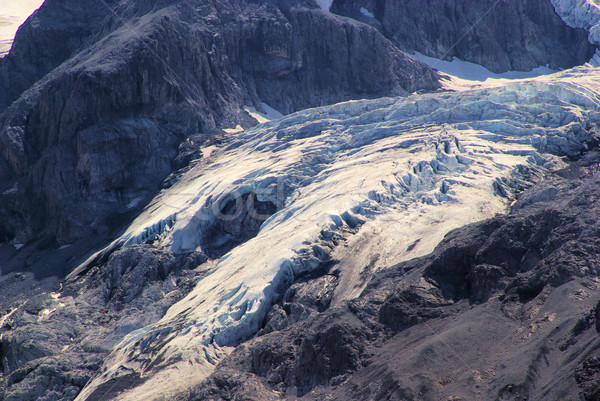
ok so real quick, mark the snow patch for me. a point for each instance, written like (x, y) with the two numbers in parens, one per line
(325, 4)
(475, 72)
(44, 313)
(266, 115)
(366, 12)
(238, 128)
(135, 202)
(4, 318)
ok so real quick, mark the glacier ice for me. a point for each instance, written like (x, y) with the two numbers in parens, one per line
(584, 14)
(390, 176)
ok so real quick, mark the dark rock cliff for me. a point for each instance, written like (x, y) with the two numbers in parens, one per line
(46, 40)
(150, 77)
(500, 35)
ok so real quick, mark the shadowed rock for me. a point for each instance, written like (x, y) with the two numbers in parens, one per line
(120, 73)
(500, 35)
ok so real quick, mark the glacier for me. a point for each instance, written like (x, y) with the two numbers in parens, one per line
(584, 14)
(357, 185)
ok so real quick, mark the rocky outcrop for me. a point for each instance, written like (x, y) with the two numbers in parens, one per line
(152, 77)
(49, 37)
(53, 342)
(501, 36)
(428, 328)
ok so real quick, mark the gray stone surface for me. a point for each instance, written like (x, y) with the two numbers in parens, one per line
(180, 70)
(500, 35)
(54, 342)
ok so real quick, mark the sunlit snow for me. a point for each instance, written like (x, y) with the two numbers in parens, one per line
(267, 114)
(12, 14)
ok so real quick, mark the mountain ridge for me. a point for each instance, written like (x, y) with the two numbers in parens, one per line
(158, 243)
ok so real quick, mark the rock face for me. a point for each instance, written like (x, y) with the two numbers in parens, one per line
(53, 342)
(45, 41)
(500, 35)
(150, 77)
(499, 310)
